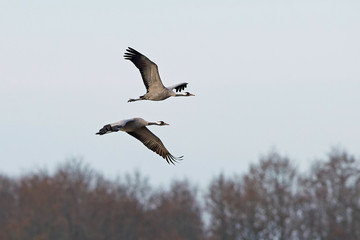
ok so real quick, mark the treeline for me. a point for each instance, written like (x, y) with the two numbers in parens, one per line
(271, 201)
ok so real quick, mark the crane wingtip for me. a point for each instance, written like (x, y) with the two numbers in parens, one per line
(171, 159)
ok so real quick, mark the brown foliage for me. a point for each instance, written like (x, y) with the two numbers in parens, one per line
(76, 203)
(330, 199)
(271, 201)
(256, 206)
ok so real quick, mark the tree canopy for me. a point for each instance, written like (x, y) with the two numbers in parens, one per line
(273, 200)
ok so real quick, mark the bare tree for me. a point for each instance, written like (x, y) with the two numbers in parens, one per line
(7, 206)
(270, 201)
(257, 206)
(330, 195)
(222, 203)
(176, 213)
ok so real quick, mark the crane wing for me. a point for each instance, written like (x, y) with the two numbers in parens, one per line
(178, 87)
(152, 142)
(148, 69)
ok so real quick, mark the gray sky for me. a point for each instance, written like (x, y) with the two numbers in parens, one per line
(266, 74)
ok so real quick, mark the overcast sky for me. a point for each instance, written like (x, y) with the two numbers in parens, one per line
(281, 75)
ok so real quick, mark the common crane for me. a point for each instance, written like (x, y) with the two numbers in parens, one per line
(136, 127)
(156, 91)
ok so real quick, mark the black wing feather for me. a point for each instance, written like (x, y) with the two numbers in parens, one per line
(181, 87)
(107, 128)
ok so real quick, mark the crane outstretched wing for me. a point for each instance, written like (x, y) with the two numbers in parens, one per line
(152, 142)
(148, 69)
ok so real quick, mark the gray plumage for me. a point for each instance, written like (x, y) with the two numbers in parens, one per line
(156, 91)
(136, 127)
